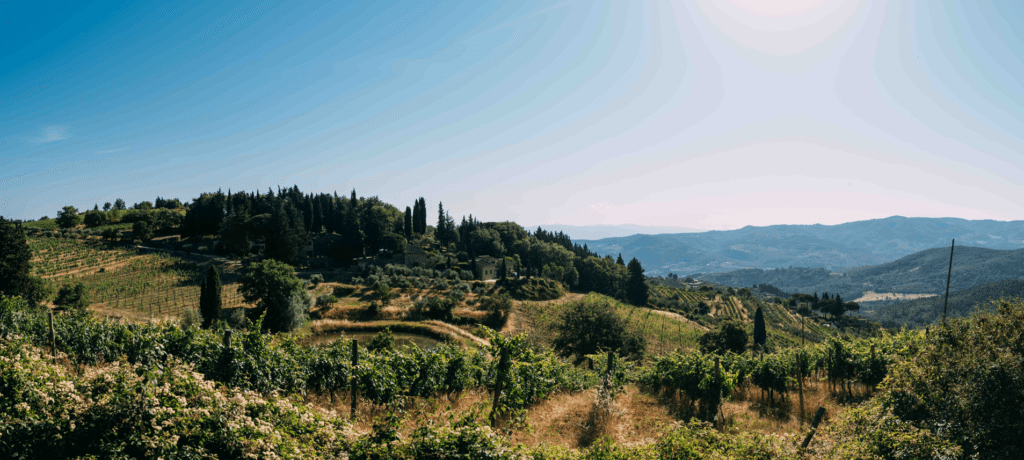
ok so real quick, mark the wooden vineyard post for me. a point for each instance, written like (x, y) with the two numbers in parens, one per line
(814, 427)
(800, 383)
(502, 365)
(662, 335)
(53, 339)
(718, 397)
(227, 339)
(355, 380)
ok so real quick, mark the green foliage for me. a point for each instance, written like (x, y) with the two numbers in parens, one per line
(147, 411)
(532, 289)
(142, 231)
(68, 217)
(760, 334)
(272, 285)
(699, 440)
(15, 265)
(435, 308)
(871, 431)
(210, 301)
(731, 336)
(964, 384)
(72, 296)
(591, 325)
(96, 218)
(384, 340)
(636, 285)
(382, 291)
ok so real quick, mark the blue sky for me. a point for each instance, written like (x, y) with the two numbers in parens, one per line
(702, 114)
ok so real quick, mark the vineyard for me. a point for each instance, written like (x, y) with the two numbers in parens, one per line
(126, 280)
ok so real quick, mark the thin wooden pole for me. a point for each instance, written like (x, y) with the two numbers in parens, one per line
(354, 379)
(814, 427)
(949, 274)
(53, 339)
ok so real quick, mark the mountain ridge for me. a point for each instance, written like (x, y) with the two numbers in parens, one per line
(834, 247)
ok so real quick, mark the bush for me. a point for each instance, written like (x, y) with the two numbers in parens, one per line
(965, 384)
(189, 318)
(384, 340)
(72, 297)
(237, 319)
(591, 326)
(316, 279)
(730, 336)
(435, 308)
(325, 299)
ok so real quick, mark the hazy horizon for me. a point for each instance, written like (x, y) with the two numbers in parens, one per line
(708, 115)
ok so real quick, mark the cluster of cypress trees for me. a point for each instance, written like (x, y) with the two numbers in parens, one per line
(286, 221)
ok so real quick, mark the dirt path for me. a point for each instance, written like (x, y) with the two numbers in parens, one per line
(515, 319)
(459, 332)
(680, 318)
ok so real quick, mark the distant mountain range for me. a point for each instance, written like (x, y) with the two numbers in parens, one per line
(596, 232)
(836, 248)
(923, 272)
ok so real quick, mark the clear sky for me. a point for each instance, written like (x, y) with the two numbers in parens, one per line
(700, 114)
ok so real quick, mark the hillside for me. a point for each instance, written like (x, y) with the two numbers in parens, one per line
(921, 312)
(923, 272)
(834, 247)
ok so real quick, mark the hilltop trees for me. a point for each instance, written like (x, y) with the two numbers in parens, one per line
(277, 292)
(68, 217)
(636, 284)
(210, 296)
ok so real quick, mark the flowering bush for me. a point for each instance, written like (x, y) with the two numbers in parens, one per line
(165, 409)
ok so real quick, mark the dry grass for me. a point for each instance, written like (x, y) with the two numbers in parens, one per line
(749, 411)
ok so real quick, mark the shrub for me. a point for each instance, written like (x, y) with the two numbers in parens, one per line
(72, 297)
(436, 308)
(316, 279)
(384, 340)
(730, 336)
(592, 325)
(325, 299)
(190, 317)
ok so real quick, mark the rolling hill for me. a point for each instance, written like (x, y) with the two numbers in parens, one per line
(923, 272)
(920, 312)
(833, 247)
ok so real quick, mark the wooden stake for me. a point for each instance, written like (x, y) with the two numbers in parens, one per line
(53, 339)
(355, 381)
(814, 427)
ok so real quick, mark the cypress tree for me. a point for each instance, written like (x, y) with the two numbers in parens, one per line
(210, 302)
(760, 333)
(636, 284)
(408, 223)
